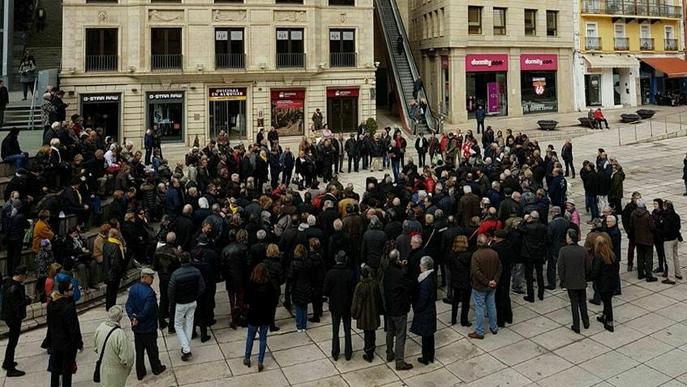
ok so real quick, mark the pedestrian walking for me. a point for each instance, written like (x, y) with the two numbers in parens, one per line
(114, 349)
(572, 271)
(141, 307)
(14, 303)
(485, 272)
(424, 310)
(186, 285)
(260, 296)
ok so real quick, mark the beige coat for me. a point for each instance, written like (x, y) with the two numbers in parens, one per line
(118, 358)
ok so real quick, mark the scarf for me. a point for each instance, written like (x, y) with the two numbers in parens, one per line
(424, 275)
(118, 243)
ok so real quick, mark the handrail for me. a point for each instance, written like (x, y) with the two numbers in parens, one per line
(429, 116)
(32, 121)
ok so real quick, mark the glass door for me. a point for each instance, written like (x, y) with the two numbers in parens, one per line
(592, 86)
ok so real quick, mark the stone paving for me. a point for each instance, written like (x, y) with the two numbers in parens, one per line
(649, 346)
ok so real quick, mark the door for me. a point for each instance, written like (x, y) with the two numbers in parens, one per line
(228, 116)
(592, 86)
(342, 114)
(616, 87)
(102, 115)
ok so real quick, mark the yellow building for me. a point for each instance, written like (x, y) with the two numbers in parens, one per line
(193, 68)
(630, 52)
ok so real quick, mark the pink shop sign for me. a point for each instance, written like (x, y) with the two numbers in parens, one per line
(538, 62)
(486, 62)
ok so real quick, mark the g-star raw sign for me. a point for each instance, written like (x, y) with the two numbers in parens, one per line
(154, 96)
(100, 98)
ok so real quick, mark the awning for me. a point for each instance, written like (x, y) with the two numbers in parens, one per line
(671, 67)
(606, 61)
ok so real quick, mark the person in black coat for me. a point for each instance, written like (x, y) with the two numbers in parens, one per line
(65, 334)
(184, 228)
(234, 262)
(204, 258)
(425, 310)
(396, 297)
(300, 277)
(422, 147)
(260, 296)
(372, 246)
(684, 173)
(352, 148)
(275, 167)
(533, 253)
(503, 247)
(339, 285)
(458, 261)
(318, 271)
(14, 305)
(606, 277)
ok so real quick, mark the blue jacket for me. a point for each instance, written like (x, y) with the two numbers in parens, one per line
(142, 304)
(148, 141)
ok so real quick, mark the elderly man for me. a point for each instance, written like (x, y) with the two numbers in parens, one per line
(572, 272)
(533, 253)
(141, 306)
(396, 294)
(339, 284)
(485, 273)
(642, 229)
(114, 348)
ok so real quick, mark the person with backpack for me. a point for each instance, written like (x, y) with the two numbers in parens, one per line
(14, 303)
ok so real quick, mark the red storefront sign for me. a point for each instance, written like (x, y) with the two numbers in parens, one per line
(486, 62)
(288, 99)
(349, 92)
(538, 62)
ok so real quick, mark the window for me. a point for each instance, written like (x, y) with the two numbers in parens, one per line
(620, 42)
(342, 48)
(342, 2)
(551, 23)
(475, 20)
(592, 40)
(646, 42)
(229, 46)
(101, 49)
(165, 46)
(530, 22)
(499, 21)
(290, 47)
(670, 41)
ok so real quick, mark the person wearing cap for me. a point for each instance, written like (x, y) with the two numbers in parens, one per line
(65, 334)
(141, 307)
(572, 271)
(339, 284)
(642, 229)
(117, 352)
(14, 303)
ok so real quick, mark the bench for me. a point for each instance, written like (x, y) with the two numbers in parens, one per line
(585, 121)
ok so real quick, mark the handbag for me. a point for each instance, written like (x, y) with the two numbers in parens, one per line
(96, 372)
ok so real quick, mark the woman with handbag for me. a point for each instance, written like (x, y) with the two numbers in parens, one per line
(114, 349)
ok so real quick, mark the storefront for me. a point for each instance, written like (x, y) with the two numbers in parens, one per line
(610, 80)
(486, 83)
(342, 109)
(102, 111)
(227, 111)
(538, 83)
(288, 111)
(166, 114)
(664, 81)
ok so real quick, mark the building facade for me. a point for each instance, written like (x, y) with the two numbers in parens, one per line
(629, 52)
(192, 68)
(511, 57)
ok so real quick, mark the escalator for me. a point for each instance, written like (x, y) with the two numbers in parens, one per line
(404, 68)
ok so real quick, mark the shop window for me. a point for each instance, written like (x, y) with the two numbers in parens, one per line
(229, 48)
(165, 1)
(166, 48)
(499, 21)
(530, 22)
(342, 2)
(229, 1)
(342, 48)
(475, 20)
(102, 1)
(290, 48)
(166, 114)
(101, 49)
(551, 23)
(538, 90)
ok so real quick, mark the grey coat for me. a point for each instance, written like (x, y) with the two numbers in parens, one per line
(572, 267)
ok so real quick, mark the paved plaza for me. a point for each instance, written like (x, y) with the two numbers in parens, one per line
(648, 348)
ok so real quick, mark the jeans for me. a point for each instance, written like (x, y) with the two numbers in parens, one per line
(593, 205)
(480, 124)
(480, 299)
(252, 330)
(348, 346)
(529, 267)
(13, 340)
(27, 87)
(146, 342)
(672, 259)
(396, 334)
(578, 304)
(183, 324)
(395, 168)
(19, 159)
(569, 164)
(645, 261)
(301, 316)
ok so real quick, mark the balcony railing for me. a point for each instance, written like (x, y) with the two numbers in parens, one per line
(101, 62)
(621, 44)
(630, 8)
(670, 44)
(230, 61)
(592, 43)
(342, 59)
(291, 60)
(646, 44)
(166, 61)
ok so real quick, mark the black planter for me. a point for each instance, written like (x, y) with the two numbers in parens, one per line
(547, 124)
(646, 113)
(629, 118)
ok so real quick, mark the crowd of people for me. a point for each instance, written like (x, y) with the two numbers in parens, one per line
(479, 220)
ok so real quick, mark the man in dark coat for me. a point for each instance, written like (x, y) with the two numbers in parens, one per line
(14, 303)
(468, 206)
(397, 304)
(642, 228)
(287, 163)
(184, 228)
(533, 253)
(626, 215)
(234, 271)
(372, 246)
(556, 235)
(353, 151)
(572, 264)
(165, 261)
(503, 247)
(339, 284)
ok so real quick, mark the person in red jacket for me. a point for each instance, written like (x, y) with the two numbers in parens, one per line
(599, 118)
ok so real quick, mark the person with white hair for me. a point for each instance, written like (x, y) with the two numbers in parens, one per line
(425, 310)
(468, 206)
(485, 273)
(114, 349)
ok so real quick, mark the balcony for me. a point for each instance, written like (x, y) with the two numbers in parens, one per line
(230, 61)
(670, 44)
(166, 61)
(342, 59)
(290, 60)
(646, 44)
(592, 43)
(630, 8)
(101, 62)
(621, 44)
